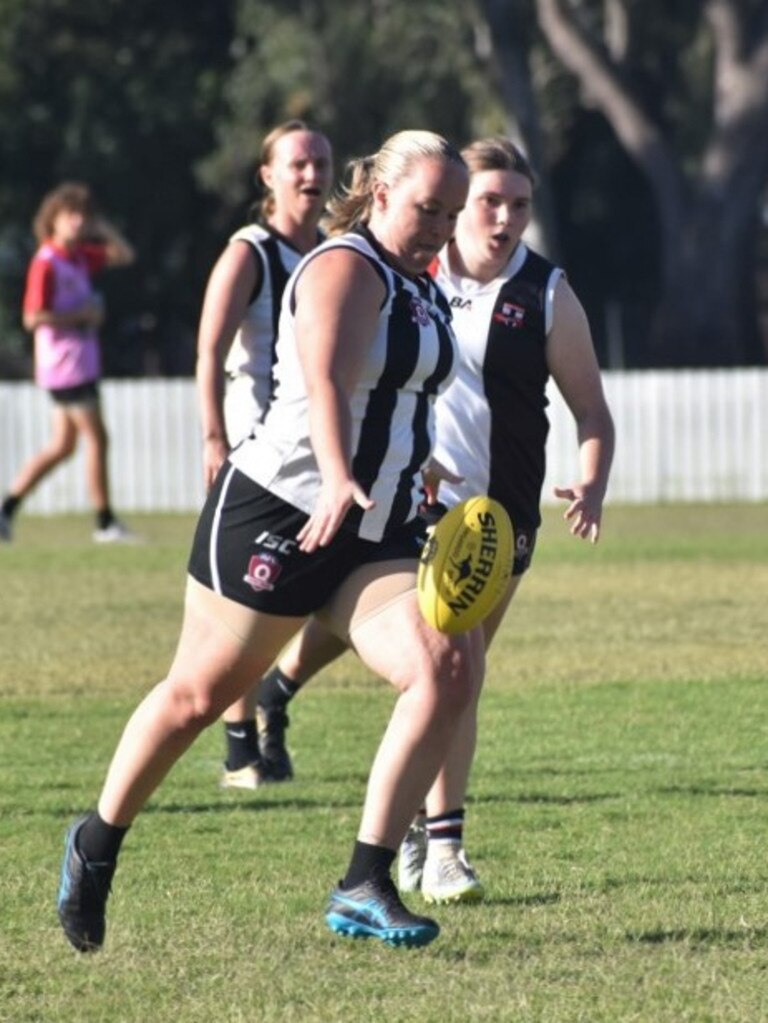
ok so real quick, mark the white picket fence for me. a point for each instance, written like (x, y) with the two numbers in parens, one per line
(681, 436)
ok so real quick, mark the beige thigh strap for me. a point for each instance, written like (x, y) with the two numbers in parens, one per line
(367, 592)
(236, 618)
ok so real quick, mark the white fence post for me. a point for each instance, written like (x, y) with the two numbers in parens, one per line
(682, 435)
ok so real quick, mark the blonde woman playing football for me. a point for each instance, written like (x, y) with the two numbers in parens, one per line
(517, 323)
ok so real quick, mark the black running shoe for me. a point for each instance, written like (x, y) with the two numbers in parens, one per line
(271, 723)
(374, 910)
(83, 892)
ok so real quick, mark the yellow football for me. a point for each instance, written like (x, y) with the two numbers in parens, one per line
(466, 565)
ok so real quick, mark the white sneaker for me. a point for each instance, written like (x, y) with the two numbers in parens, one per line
(450, 877)
(410, 861)
(115, 532)
(6, 529)
(248, 777)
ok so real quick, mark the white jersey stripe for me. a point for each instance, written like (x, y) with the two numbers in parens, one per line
(214, 537)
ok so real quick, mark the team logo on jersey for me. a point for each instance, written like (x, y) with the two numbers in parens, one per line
(510, 315)
(263, 571)
(419, 313)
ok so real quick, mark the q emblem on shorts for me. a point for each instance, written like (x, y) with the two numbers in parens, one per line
(263, 571)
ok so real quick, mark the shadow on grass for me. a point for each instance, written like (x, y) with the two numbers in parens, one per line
(536, 899)
(545, 798)
(712, 790)
(233, 804)
(252, 805)
(701, 936)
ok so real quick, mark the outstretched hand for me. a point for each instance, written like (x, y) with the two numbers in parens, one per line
(584, 511)
(332, 505)
(432, 475)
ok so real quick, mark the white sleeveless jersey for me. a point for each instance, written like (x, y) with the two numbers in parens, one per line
(410, 359)
(252, 353)
(491, 423)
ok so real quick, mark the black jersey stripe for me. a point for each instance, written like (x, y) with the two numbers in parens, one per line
(515, 375)
(402, 354)
(279, 275)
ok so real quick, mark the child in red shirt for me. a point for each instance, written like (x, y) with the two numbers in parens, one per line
(64, 313)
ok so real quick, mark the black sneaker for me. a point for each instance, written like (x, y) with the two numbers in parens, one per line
(83, 892)
(374, 910)
(271, 724)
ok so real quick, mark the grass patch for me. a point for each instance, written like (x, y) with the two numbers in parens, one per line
(617, 812)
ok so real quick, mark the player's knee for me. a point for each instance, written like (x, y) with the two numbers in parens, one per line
(448, 675)
(194, 707)
(460, 680)
(62, 450)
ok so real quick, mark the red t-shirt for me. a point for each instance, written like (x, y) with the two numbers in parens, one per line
(41, 277)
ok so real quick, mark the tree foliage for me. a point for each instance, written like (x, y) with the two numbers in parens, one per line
(358, 72)
(122, 95)
(687, 97)
(647, 122)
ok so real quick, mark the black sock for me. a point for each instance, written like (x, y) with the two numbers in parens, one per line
(276, 690)
(104, 518)
(368, 863)
(10, 504)
(446, 827)
(242, 744)
(98, 841)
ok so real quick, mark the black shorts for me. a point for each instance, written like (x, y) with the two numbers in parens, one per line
(245, 548)
(525, 542)
(83, 394)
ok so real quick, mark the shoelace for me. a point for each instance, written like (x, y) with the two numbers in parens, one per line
(456, 869)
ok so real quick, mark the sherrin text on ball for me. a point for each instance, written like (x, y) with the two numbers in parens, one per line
(466, 564)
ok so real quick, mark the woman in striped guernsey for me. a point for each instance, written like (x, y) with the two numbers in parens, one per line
(238, 334)
(318, 510)
(517, 322)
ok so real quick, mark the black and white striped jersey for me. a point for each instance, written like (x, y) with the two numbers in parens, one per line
(492, 424)
(410, 359)
(252, 353)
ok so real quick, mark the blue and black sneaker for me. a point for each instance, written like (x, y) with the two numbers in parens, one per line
(83, 892)
(373, 909)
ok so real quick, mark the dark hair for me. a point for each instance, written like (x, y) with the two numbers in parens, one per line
(497, 153)
(70, 195)
(352, 206)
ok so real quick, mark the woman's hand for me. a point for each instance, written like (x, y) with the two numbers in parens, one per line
(584, 511)
(333, 504)
(215, 452)
(93, 312)
(432, 475)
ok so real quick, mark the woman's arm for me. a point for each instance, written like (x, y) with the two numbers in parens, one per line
(338, 300)
(229, 291)
(118, 251)
(573, 365)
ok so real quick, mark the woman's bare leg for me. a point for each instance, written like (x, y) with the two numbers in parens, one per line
(213, 665)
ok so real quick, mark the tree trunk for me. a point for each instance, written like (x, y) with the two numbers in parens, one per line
(707, 313)
(511, 50)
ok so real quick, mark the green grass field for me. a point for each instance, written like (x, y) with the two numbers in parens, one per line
(617, 813)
